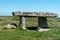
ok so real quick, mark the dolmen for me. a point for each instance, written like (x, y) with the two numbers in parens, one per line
(42, 18)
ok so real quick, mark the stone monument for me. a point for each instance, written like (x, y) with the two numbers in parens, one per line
(42, 18)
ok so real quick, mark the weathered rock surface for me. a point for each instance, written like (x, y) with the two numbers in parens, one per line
(10, 26)
(41, 14)
(41, 30)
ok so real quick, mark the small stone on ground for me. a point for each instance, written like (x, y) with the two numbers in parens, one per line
(9, 26)
(41, 30)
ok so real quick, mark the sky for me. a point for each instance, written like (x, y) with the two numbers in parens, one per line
(9, 6)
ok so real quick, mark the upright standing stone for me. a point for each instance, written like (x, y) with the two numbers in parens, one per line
(22, 22)
(42, 22)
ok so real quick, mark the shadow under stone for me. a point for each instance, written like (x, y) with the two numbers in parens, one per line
(44, 27)
(32, 28)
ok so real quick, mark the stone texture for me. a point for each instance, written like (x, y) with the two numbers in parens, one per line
(41, 14)
(9, 26)
(22, 22)
(42, 30)
(42, 22)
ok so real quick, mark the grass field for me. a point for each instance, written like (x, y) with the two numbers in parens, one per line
(18, 34)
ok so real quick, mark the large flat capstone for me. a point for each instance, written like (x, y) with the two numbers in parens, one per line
(42, 18)
(41, 14)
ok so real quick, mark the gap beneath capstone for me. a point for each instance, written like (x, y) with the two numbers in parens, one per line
(32, 28)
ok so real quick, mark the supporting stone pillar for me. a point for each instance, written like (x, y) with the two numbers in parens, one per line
(22, 22)
(42, 22)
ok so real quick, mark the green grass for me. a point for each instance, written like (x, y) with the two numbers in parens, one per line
(18, 34)
(9, 34)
